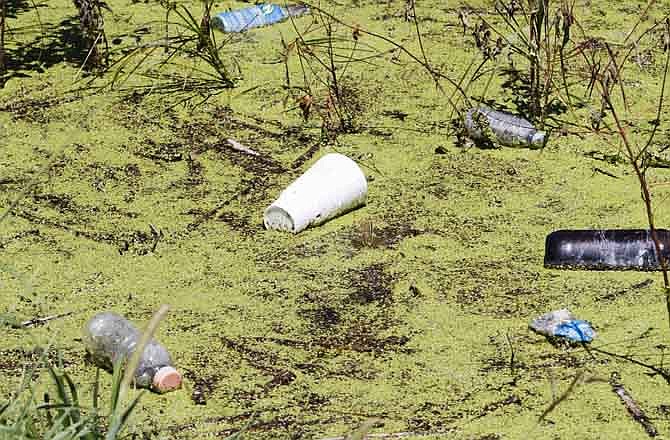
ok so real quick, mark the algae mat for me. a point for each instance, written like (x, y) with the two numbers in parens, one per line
(412, 310)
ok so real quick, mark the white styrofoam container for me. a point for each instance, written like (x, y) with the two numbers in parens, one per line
(332, 186)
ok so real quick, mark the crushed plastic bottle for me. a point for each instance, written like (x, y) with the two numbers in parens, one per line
(259, 15)
(508, 129)
(605, 249)
(561, 324)
(109, 336)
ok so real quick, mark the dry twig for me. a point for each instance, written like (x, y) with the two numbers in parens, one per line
(631, 405)
(40, 321)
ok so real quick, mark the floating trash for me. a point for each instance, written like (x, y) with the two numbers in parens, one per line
(110, 337)
(332, 186)
(508, 129)
(561, 324)
(263, 14)
(608, 249)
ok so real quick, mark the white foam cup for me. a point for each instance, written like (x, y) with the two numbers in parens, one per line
(332, 186)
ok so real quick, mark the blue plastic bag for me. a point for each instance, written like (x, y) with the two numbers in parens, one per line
(576, 330)
(562, 324)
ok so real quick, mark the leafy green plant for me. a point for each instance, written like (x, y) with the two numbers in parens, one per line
(61, 414)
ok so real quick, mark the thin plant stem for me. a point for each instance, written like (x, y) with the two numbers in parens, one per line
(139, 349)
(637, 23)
(661, 97)
(430, 69)
(418, 36)
(644, 187)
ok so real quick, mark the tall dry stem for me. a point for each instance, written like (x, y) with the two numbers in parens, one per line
(93, 32)
(636, 159)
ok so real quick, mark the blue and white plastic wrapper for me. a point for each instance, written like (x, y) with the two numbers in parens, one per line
(256, 16)
(331, 187)
(576, 330)
(562, 324)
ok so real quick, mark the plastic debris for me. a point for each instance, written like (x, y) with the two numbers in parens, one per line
(241, 148)
(332, 186)
(608, 249)
(262, 14)
(561, 324)
(507, 129)
(109, 337)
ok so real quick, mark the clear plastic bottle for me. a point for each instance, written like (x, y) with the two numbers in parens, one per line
(259, 15)
(109, 336)
(508, 129)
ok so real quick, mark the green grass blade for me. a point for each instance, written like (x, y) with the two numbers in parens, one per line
(96, 390)
(119, 421)
(70, 432)
(76, 415)
(116, 384)
(60, 388)
(3, 408)
(129, 410)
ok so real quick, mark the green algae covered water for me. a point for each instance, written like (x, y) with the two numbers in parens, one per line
(413, 310)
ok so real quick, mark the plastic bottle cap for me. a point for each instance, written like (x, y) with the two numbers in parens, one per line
(167, 379)
(538, 139)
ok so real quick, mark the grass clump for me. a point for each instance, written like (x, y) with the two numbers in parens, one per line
(186, 38)
(59, 414)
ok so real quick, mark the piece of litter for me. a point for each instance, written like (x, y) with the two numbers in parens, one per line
(506, 128)
(262, 14)
(111, 338)
(562, 324)
(335, 184)
(241, 148)
(576, 330)
(606, 249)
